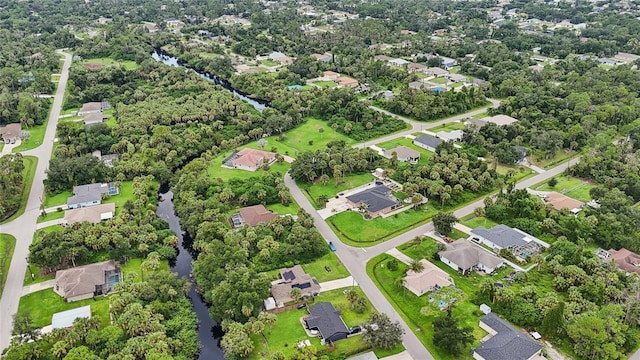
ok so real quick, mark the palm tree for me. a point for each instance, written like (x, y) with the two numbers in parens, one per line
(295, 294)
(416, 266)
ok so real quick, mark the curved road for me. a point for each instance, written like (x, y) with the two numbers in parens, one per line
(23, 227)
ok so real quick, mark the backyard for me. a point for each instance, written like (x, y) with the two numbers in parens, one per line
(7, 245)
(288, 330)
(473, 222)
(325, 84)
(568, 185)
(126, 193)
(41, 306)
(425, 154)
(30, 164)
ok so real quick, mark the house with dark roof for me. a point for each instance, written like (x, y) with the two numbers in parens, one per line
(252, 216)
(504, 237)
(427, 142)
(403, 153)
(87, 281)
(290, 278)
(327, 321)
(90, 194)
(377, 200)
(505, 342)
(465, 257)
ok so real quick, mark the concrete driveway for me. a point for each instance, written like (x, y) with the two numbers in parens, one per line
(338, 284)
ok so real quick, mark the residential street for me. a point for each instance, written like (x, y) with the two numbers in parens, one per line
(24, 226)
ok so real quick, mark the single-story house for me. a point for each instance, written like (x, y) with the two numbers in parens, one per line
(366, 356)
(252, 216)
(175, 24)
(291, 278)
(403, 153)
(456, 78)
(249, 159)
(626, 260)
(561, 201)
(90, 194)
(377, 200)
(65, 319)
(626, 57)
(398, 62)
(387, 94)
(246, 69)
(427, 142)
(504, 237)
(536, 68)
(327, 320)
(436, 71)
(87, 281)
(417, 85)
(10, 133)
(448, 63)
(329, 76)
(500, 120)
(455, 135)
(473, 122)
(416, 67)
(430, 278)
(464, 257)
(93, 107)
(609, 62)
(92, 214)
(505, 343)
(345, 81)
(322, 57)
(384, 58)
(94, 118)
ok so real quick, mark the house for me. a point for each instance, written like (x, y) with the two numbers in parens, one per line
(500, 120)
(65, 319)
(249, 159)
(403, 153)
(384, 58)
(366, 356)
(505, 342)
(626, 260)
(104, 20)
(329, 76)
(291, 278)
(455, 135)
(448, 63)
(416, 67)
(417, 85)
(430, 278)
(90, 195)
(477, 123)
(387, 95)
(175, 24)
(94, 118)
(626, 57)
(536, 68)
(427, 142)
(325, 58)
(609, 62)
(456, 78)
(377, 200)
(327, 321)
(561, 201)
(87, 281)
(345, 81)
(10, 133)
(465, 257)
(246, 69)
(398, 62)
(252, 216)
(94, 107)
(92, 214)
(435, 71)
(504, 237)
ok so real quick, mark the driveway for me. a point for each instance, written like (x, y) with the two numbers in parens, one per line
(338, 284)
(400, 256)
(23, 227)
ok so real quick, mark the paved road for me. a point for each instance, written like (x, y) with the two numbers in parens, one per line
(24, 226)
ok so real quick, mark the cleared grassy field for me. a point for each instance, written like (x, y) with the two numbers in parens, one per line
(43, 304)
(128, 65)
(568, 185)
(330, 262)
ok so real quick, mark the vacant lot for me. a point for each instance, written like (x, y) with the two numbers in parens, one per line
(568, 185)
(128, 65)
(448, 127)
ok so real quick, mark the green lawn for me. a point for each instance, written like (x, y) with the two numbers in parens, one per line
(473, 222)
(288, 330)
(457, 234)
(329, 84)
(55, 77)
(330, 189)
(481, 115)
(298, 139)
(330, 261)
(36, 135)
(57, 199)
(438, 80)
(134, 266)
(568, 185)
(30, 164)
(267, 62)
(352, 229)
(7, 245)
(216, 170)
(538, 159)
(425, 154)
(53, 215)
(128, 65)
(126, 193)
(448, 127)
(521, 172)
(292, 208)
(43, 304)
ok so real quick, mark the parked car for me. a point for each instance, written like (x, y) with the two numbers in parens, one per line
(331, 246)
(355, 329)
(439, 234)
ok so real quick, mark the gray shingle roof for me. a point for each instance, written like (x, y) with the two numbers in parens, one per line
(428, 140)
(502, 235)
(507, 344)
(326, 319)
(466, 255)
(375, 199)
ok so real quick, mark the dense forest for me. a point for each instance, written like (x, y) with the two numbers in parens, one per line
(11, 184)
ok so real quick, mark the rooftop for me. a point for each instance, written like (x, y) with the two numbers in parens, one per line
(402, 152)
(293, 277)
(503, 235)
(428, 140)
(82, 279)
(256, 214)
(251, 157)
(10, 131)
(466, 255)
(93, 214)
(561, 201)
(626, 260)
(326, 319)
(500, 120)
(430, 277)
(507, 344)
(375, 199)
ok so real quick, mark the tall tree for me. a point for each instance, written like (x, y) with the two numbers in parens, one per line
(381, 332)
(450, 336)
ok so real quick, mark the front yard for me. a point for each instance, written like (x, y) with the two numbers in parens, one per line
(43, 304)
(326, 268)
(473, 222)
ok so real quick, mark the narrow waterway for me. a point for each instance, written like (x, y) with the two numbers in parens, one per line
(209, 332)
(167, 59)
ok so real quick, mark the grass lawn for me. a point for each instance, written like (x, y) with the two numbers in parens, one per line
(30, 163)
(288, 330)
(448, 127)
(438, 80)
(134, 266)
(218, 172)
(473, 222)
(36, 135)
(7, 245)
(318, 268)
(568, 185)
(43, 304)
(57, 199)
(330, 190)
(128, 65)
(298, 139)
(457, 234)
(425, 154)
(521, 172)
(268, 62)
(481, 115)
(329, 84)
(55, 77)
(126, 193)
(292, 208)
(352, 229)
(538, 159)
(53, 215)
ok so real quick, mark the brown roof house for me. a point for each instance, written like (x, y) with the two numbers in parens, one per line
(10, 133)
(626, 260)
(465, 257)
(87, 281)
(345, 81)
(430, 278)
(252, 216)
(249, 159)
(93, 107)
(404, 154)
(94, 118)
(290, 278)
(93, 214)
